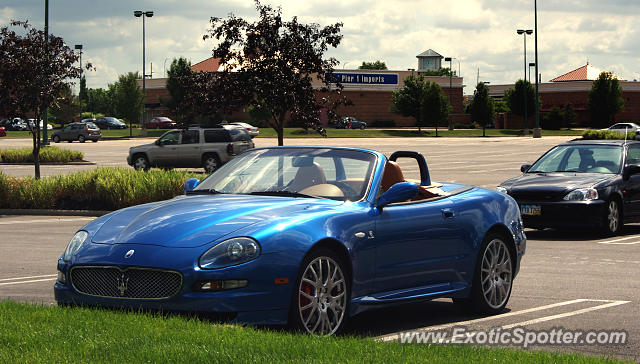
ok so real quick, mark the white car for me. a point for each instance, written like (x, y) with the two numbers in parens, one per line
(252, 130)
(32, 123)
(623, 128)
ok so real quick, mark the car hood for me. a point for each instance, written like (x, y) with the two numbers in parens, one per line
(554, 182)
(192, 221)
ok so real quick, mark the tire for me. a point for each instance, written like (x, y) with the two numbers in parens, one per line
(612, 219)
(362, 127)
(94, 140)
(492, 278)
(140, 162)
(210, 162)
(320, 298)
(81, 138)
(56, 139)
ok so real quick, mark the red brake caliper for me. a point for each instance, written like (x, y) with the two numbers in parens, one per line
(306, 288)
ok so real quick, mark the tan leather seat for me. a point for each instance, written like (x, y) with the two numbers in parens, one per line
(307, 176)
(392, 175)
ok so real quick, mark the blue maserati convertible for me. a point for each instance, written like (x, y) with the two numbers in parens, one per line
(308, 236)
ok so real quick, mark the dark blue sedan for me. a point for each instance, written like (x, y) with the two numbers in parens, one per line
(308, 236)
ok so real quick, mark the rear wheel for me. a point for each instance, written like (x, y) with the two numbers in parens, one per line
(320, 299)
(362, 127)
(140, 162)
(612, 218)
(493, 277)
(210, 162)
(81, 138)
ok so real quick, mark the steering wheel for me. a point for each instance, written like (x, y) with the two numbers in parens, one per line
(348, 191)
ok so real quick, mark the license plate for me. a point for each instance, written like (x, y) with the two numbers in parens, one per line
(531, 210)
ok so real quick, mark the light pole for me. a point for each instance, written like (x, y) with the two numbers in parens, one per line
(537, 133)
(449, 59)
(524, 33)
(142, 14)
(531, 64)
(45, 121)
(79, 47)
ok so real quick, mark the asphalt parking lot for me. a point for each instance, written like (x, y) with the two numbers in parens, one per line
(571, 280)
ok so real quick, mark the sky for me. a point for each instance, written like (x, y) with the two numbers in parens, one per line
(479, 34)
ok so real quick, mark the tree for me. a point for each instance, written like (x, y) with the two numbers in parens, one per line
(605, 100)
(273, 62)
(482, 108)
(422, 100)
(569, 116)
(441, 72)
(127, 97)
(34, 69)
(515, 100)
(101, 101)
(82, 94)
(66, 106)
(179, 68)
(377, 65)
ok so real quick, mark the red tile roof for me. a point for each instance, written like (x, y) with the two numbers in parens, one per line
(208, 65)
(584, 73)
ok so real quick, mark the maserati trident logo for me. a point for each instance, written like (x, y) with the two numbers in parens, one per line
(122, 282)
(129, 254)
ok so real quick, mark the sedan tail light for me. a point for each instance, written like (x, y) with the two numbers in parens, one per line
(230, 149)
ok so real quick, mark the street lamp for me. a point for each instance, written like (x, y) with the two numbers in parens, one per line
(79, 48)
(524, 33)
(532, 64)
(537, 133)
(138, 14)
(449, 59)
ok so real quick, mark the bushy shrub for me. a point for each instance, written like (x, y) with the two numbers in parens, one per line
(47, 155)
(605, 134)
(383, 123)
(98, 189)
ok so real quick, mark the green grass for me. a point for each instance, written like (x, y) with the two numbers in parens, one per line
(97, 189)
(606, 134)
(49, 154)
(394, 133)
(114, 133)
(51, 334)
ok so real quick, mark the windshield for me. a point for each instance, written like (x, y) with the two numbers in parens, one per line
(337, 174)
(580, 158)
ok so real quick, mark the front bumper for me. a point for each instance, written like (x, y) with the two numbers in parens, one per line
(565, 214)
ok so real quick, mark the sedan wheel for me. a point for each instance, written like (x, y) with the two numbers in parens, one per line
(613, 221)
(322, 293)
(56, 139)
(81, 138)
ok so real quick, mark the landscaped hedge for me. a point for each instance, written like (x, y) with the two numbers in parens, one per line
(606, 134)
(98, 189)
(47, 154)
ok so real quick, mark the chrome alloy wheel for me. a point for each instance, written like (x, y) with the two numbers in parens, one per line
(496, 273)
(322, 298)
(613, 216)
(140, 163)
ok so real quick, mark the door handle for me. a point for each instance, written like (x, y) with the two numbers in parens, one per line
(447, 213)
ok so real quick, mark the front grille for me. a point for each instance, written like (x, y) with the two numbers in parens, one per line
(131, 283)
(537, 196)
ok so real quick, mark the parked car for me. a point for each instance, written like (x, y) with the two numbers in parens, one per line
(80, 131)
(107, 122)
(32, 124)
(2, 132)
(252, 130)
(161, 122)
(582, 183)
(308, 236)
(208, 148)
(17, 124)
(624, 128)
(349, 122)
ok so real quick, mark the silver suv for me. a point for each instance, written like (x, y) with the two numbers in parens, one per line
(208, 148)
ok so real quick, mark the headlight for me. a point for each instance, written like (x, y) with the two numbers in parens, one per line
(75, 244)
(501, 189)
(230, 252)
(582, 195)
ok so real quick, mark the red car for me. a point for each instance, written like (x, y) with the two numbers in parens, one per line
(2, 132)
(161, 122)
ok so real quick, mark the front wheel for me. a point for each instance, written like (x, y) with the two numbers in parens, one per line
(140, 163)
(56, 139)
(493, 277)
(320, 299)
(612, 218)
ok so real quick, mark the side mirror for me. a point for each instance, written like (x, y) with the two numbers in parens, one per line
(399, 192)
(630, 170)
(190, 184)
(524, 167)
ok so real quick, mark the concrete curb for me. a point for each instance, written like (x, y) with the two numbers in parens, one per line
(51, 212)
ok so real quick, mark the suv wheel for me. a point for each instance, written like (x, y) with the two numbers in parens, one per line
(81, 138)
(210, 162)
(140, 162)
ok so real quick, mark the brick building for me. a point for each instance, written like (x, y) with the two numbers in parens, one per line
(369, 90)
(572, 87)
